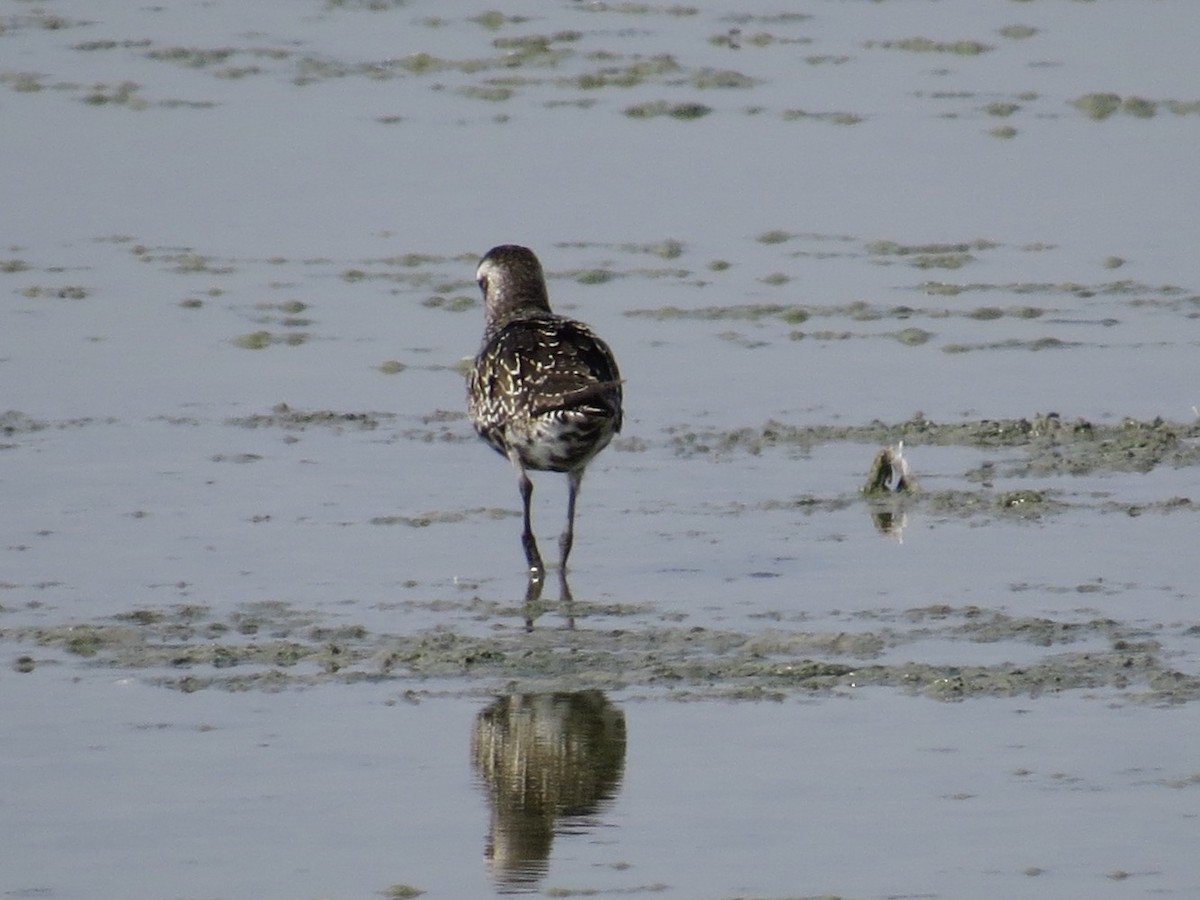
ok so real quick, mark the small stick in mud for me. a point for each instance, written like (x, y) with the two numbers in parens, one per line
(890, 473)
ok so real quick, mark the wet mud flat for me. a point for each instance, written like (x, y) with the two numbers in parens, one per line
(262, 614)
(187, 649)
(546, 639)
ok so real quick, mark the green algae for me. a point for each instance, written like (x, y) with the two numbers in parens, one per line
(640, 9)
(723, 79)
(1017, 32)
(66, 292)
(1052, 445)
(984, 313)
(1103, 105)
(124, 93)
(493, 19)
(927, 45)
(668, 249)
(627, 75)
(492, 93)
(775, 236)
(254, 340)
(913, 337)
(594, 276)
(191, 57)
(941, 260)
(262, 339)
(23, 82)
(837, 118)
(749, 312)
(1183, 107)
(1098, 106)
(284, 416)
(934, 255)
(1035, 344)
(1074, 289)
(1139, 107)
(273, 646)
(439, 517)
(781, 18)
(1001, 109)
(857, 311)
(658, 108)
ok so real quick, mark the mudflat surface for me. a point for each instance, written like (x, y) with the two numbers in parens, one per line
(263, 619)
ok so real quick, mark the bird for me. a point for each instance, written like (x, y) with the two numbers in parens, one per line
(544, 390)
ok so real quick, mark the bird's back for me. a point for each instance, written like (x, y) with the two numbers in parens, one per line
(544, 386)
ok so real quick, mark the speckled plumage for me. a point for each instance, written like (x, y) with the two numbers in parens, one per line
(544, 390)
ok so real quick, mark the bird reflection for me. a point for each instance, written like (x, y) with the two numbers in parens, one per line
(533, 605)
(888, 521)
(550, 763)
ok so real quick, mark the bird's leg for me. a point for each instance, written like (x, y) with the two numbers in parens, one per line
(533, 593)
(566, 601)
(567, 538)
(532, 557)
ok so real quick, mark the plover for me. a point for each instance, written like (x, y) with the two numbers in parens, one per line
(544, 390)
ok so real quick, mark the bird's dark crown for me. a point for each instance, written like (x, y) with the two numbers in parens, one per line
(513, 284)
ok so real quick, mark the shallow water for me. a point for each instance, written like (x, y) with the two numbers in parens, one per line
(118, 789)
(260, 581)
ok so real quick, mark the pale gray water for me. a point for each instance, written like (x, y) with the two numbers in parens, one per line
(190, 180)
